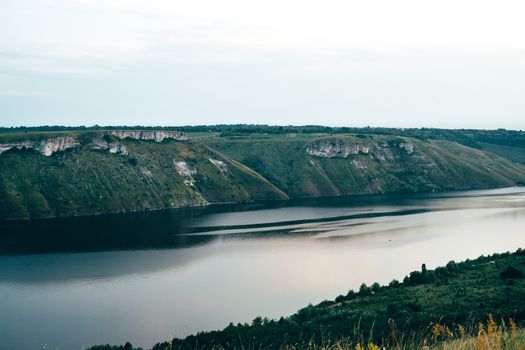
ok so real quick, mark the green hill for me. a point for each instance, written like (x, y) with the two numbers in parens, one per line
(133, 175)
(83, 172)
(324, 165)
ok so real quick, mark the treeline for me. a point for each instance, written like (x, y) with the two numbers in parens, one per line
(55, 128)
(469, 137)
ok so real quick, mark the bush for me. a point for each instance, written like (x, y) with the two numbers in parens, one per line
(511, 272)
(350, 295)
(394, 283)
(364, 290)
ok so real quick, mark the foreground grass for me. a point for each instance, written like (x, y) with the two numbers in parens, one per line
(499, 338)
(475, 304)
(486, 336)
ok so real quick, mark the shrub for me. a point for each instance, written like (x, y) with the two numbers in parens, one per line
(394, 283)
(511, 272)
(364, 290)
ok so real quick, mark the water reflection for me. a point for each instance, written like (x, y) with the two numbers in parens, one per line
(170, 228)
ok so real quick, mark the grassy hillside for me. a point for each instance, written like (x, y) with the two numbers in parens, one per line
(514, 153)
(433, 166)
(475, 304)
(82, 180)
(231, 167)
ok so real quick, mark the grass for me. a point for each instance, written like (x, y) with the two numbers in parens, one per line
(487, 336)
(516, 154)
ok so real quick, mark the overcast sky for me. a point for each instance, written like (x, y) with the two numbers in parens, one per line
(354, 63)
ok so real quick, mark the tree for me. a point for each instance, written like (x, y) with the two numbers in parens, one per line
(452, 266)
(394, 283)
(512, 272)
(364, 290)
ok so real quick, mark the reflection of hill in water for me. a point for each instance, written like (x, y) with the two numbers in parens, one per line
(56, 268)
(188, 235)
(171, 228)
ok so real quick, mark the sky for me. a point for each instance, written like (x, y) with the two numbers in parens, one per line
(403, 63)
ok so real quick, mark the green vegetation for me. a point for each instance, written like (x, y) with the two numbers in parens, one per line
(434, 165)
(82, 181)
(450, 307)
(261, 163)
(491, 336)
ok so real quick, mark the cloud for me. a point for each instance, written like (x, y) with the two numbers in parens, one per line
(405, 62)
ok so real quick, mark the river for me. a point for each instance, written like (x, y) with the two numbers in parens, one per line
(147, 277)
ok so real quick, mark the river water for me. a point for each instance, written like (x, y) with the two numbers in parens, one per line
(147, 277)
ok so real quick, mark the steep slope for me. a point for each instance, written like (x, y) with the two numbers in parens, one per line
(91, 173)
(334, 165)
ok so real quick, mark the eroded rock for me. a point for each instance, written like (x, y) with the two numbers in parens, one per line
(184, 170)
(149, 135)
(45, 147)
(99, 143)
(220, 165)
(408, 147)
(337, 148)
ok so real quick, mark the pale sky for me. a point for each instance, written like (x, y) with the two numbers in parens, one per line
(342, 63)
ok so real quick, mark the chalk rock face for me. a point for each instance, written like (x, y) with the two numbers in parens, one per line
(220, 165)
(46, 146)
(149, 135)
(408, 147)
(337, 148)
(99, 143)
(117, 148)
(184, 170)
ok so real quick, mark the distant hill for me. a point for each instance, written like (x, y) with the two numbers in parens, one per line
(326, 165)
(58, 171)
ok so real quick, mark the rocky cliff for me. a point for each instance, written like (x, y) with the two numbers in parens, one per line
(337, 148)
(149, 135)
(45, 146)
(99, 143)
(48, 146)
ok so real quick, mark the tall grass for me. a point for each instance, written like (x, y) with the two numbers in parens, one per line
(490, 335)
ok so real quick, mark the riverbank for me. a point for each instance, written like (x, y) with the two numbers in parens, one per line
(456, 306)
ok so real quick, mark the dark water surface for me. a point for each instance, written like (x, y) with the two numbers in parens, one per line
(146, 277)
